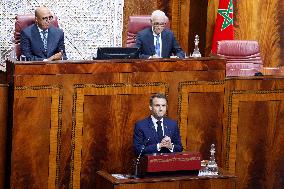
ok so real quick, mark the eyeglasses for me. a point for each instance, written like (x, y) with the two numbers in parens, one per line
(162, 24)
(47, 18)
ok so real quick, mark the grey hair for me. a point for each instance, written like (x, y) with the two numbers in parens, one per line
(159, 14)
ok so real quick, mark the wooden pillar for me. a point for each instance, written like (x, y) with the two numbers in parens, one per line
(3, 131)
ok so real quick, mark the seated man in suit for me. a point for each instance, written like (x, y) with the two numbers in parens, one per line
(41, 41)
(157, 133)
(158, 41)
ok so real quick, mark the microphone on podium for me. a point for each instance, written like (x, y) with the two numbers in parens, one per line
(139, 157)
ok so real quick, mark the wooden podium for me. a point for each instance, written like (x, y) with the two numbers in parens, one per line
(223, 181)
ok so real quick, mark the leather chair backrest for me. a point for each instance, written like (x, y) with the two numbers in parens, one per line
(136, 24)
(23, 21)
(243, 56)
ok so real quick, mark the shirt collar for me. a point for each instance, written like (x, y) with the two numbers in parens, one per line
(154, 34)
(155, 120)
(40, 30)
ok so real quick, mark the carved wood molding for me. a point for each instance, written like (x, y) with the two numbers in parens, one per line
(80, 91)
(55, 94)
(185, 88)
(235, 97)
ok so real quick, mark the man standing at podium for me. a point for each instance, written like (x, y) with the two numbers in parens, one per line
(41, 41)
(157, 133)
(158, 41)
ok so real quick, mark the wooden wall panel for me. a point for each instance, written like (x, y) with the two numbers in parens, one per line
(211, 19)
(3, 132)
(201, 113)
(36, 137)
(281, 29)
(255, 110)
(260, 21)
(109, 115)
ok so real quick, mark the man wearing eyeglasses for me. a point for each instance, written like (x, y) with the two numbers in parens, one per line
(42, 41)
(158, 41)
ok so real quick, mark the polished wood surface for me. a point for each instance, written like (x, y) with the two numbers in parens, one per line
(3, 131)
(223, 181)
(254, 126)
(73, 118)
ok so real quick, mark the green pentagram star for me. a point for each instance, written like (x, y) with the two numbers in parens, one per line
(225, 13)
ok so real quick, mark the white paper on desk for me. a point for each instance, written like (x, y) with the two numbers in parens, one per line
(119, 176)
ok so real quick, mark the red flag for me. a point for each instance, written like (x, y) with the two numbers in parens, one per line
(224, 29)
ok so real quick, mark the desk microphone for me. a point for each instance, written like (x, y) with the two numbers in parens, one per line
(142, 150)
(139, 157)
(62, 54)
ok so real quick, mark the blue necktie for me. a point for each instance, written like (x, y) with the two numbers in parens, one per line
(160, 130)
(157, 46)
(44, 39)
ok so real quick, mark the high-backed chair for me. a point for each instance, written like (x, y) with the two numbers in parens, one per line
(136, 24)
(243, 57)
(23, 21)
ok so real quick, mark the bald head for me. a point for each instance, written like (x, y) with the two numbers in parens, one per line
(43, 17)
(41, 10)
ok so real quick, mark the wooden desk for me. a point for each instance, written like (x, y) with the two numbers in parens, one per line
(224, 181)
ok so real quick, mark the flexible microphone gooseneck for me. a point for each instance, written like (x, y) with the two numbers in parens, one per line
(139, 157)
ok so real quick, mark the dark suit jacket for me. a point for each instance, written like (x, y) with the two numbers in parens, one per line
(32, 45)
(145, 130)
(145, 42)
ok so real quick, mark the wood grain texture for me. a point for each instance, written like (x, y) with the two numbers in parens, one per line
(197, 24)
(281, 29)
(211, 19)
(259, 20)
(222, 181)
(196, 100)
(254, 113)
(3, 131)
(36, 137)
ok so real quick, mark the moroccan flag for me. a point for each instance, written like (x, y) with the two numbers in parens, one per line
(224, 29)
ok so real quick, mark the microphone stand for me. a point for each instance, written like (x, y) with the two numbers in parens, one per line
(137, 162)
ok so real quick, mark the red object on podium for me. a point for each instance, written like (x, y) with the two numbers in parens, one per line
(168, 162)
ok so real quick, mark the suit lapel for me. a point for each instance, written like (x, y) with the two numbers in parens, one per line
(38, 39)
(50, 41)
(164, 44)
(151, 44)
(152, 129)
(167, 130)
